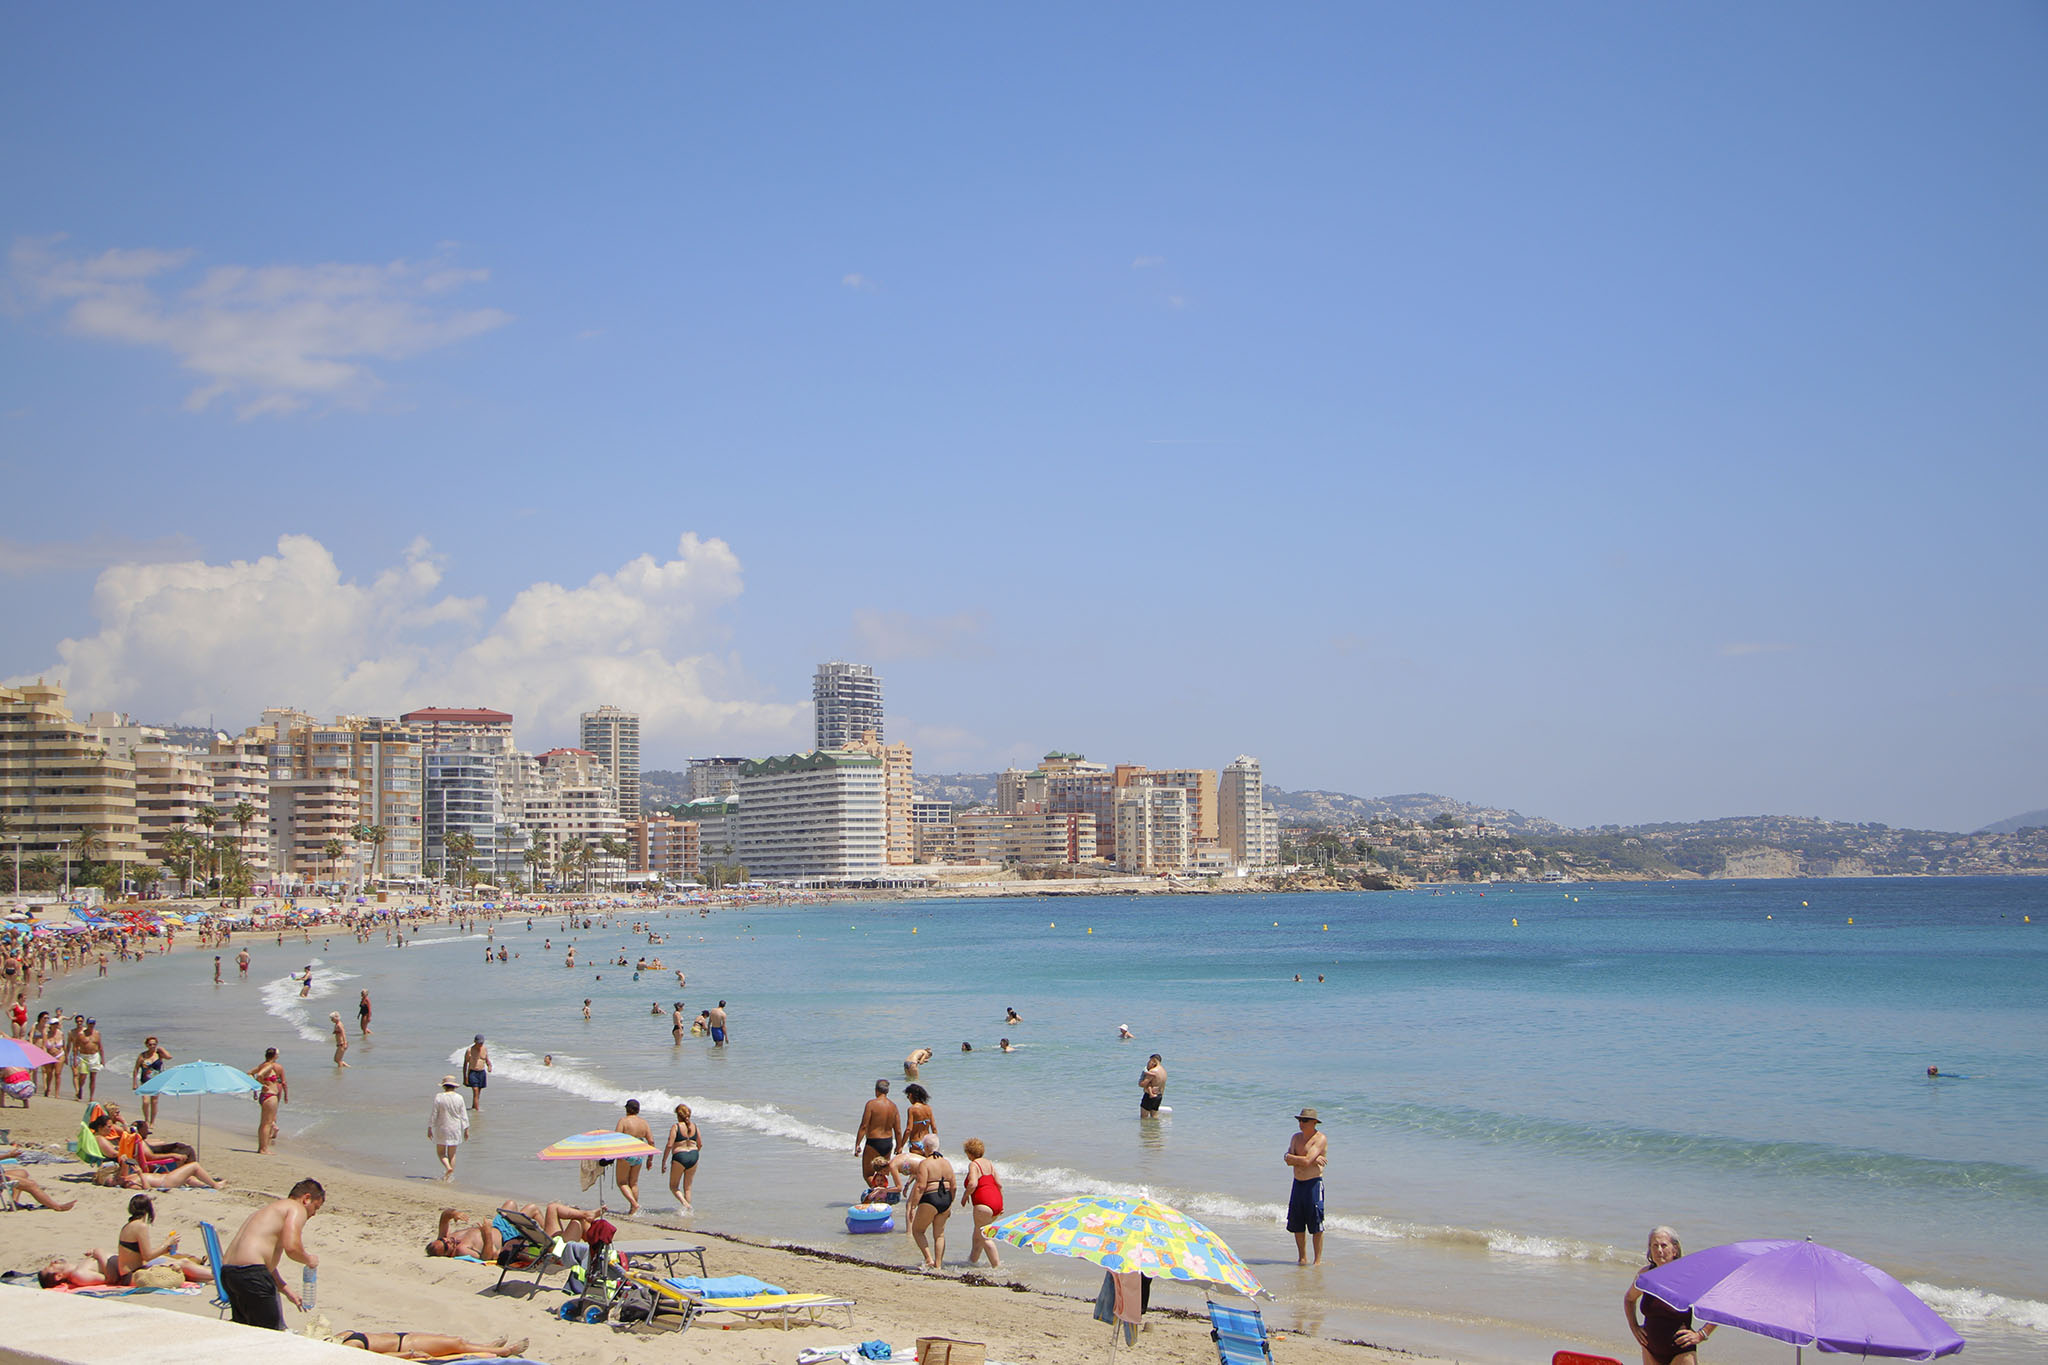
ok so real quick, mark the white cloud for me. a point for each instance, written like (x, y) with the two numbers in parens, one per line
(884, 635)
(1744, 648)
(1147, 262)
(270, 339)
(859, 281)
(191, 640)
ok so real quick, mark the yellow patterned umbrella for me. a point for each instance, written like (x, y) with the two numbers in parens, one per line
(1139, 1234)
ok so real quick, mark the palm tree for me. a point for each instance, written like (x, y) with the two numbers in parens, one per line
(244, 812)
(332, 851)
(461, 848)
(571, 856)
(535, 860)
(145, 875)
(83, 846)
(208, 818)
(613, 848)
(374, 836)
(44, 865)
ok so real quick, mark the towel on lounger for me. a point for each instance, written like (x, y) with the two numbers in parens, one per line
(724, 1286)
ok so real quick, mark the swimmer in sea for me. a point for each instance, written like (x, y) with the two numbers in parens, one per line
(916, 1059)
(1123, 1032)
(1010, 1016)
(1004, 1044)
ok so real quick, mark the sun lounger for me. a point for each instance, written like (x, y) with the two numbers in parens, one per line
(1240, 1335)
(782, 1309)
(667, 1251)
(212, 1239)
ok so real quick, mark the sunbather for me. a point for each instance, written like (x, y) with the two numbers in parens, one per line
(485, 1240)
(19, 1179)
(136, 1252)
(427, 1345)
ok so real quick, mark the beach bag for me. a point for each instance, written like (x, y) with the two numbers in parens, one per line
(159, 1277)
(636, 1303)
(947, 1351)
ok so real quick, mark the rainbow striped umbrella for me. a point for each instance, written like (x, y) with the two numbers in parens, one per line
(598, 1146)
(1139, 1234)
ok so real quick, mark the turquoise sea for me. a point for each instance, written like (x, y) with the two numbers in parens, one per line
(1516, 1084)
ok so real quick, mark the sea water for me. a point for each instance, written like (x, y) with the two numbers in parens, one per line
(1516, 1082)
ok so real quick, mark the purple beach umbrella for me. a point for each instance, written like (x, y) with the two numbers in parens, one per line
(1805, 1294)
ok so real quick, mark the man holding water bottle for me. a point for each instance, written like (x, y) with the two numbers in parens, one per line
(248, 1272)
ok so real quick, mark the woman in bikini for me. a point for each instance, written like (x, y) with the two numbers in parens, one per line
(931, 1203)
(135, 1250)
(679, 1157)
(427, 1345)
(918, 1119)
(276, 1090)
(340, 1038)
(984, 1198)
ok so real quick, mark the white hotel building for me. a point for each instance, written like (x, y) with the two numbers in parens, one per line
(820, 814)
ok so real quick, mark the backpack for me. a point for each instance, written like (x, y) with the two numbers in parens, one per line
(636, 1303)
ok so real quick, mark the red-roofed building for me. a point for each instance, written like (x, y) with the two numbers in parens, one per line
(438, 724)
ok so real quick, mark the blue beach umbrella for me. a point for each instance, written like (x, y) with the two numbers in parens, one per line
(201, 1079)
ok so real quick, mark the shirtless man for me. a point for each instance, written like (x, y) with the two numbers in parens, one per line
(242, 962)
(915, 1060)
(879, 1131)
(1152, 1086)
(476, 1071)
(248, 1272)
(1308, 1152)
(88, 1056)
(485, 1240)
(627, 1172)
(716, 1018)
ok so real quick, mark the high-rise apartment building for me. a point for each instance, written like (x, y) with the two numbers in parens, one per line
(59, 783)
(240, 772)
(466, 796)
(898, 795)
(1154, 830)
(1248, 829)
(820, 814)
(172, 787)
(316, 767)
(667, 846)
(713, 777)
(574, 805)
(846, 700)
(614, 736)
(717, 819)
(439, 724)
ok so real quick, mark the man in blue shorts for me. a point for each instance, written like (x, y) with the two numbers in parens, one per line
(1308, 1152)
(476, 1071)
(716, 1019)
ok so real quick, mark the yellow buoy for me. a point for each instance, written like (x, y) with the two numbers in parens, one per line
(1091, 928)
(913, 928)
(1770, 916)
(1802, 903)
(1852, 919)
(1517, 923)
(1276, 924)
(1326, 928)
(1053, 925)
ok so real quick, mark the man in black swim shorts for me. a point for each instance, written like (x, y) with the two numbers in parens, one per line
(1152, 1085)
(876, 1135)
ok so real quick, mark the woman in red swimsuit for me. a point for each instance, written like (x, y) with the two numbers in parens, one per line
(985, 1196)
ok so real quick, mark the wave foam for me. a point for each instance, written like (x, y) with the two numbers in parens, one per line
(452, 938)
(1980, 1305)
(281, 1000)
(571, 1079)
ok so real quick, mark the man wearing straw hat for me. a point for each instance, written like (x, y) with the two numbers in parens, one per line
(447, 1124)
(1308, 1152)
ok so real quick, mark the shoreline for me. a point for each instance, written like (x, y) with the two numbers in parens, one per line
(374, 1277)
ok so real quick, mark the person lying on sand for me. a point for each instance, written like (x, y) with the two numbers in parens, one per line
(426, 1345)
(485, 1240)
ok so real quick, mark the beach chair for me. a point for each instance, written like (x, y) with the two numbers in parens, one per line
(667, 1251)
(781, 1309)
(548, 1253)
(212, 1239)
(1581, 1358)
(1240, 1335)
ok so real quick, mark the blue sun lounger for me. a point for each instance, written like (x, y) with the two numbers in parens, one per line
(220, 1295)
(1240, 1335)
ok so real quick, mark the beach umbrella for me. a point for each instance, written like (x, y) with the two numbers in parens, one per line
(601, 1145)
(1138, 1234)
(1806, 1294)
(201, 1079)
(15, 1052)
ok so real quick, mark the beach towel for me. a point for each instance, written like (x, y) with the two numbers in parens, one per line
(724, 1286)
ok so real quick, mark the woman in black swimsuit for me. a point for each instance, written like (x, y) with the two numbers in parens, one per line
(931, 1203)
(1666, 1334)
(135, 1250)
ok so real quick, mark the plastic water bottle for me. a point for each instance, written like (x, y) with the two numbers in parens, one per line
(309, 1283)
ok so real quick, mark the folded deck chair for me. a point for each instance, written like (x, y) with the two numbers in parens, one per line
(212, 1239)
(782, 1309)
(548, 1253)
(1240, 1335)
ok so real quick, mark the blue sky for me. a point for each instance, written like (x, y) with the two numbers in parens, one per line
(1615, 412)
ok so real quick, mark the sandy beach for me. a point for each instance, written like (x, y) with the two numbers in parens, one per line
(374, 1275)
